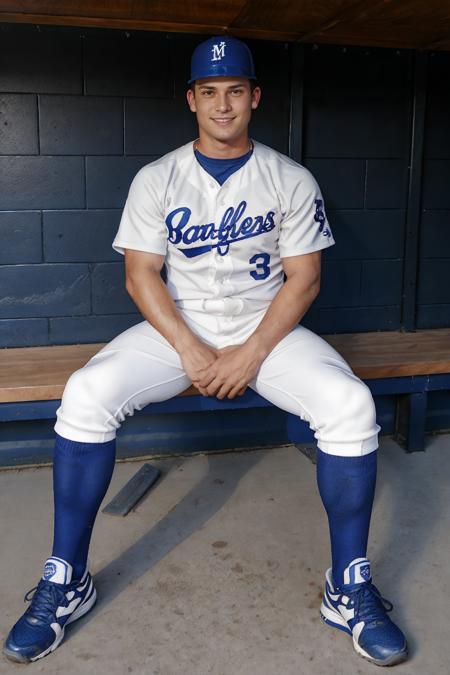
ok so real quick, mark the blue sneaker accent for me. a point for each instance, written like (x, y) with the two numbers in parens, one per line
(357, 608)
(56, 602)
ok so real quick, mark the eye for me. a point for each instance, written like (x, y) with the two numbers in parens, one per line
(237, 92)
(207, 92)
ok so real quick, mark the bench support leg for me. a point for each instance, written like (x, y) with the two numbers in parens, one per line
(410, 422)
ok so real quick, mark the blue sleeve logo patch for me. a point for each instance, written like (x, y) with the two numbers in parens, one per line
(320, 218)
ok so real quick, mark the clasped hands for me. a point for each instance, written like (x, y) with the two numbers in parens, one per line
(224, 373)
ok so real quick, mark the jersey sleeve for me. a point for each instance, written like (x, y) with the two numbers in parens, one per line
(142, 225)
(305, 227)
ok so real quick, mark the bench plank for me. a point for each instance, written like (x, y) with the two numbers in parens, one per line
(41, 373)
(395, 354)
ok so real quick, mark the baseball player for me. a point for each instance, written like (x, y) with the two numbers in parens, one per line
(240, 229)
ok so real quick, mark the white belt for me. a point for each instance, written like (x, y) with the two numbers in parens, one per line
(223, 306)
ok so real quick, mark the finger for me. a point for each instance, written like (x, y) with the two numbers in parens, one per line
(223, 391)
(236, 390)
(213, 388)
(201, 389)
(205, 370)
(206, 379)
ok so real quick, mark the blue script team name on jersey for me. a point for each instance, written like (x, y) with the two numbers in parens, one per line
(233, 227)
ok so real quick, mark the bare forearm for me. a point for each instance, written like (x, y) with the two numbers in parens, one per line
(157, 306)
(285, 311)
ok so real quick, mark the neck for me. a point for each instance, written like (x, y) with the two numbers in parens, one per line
(221, 149)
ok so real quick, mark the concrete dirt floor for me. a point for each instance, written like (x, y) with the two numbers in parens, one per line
(219, 570)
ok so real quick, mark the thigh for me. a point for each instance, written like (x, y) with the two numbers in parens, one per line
(136, 368)
(140, 363)
(302, 374)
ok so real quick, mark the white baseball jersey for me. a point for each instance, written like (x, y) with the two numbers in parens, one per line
(224, 244)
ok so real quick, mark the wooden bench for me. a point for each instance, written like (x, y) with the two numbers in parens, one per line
(32, 379)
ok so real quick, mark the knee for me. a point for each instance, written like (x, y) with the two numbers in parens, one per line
(350, 411)
(349, 397)
(86, 413)
(81, 389)
(359, 404)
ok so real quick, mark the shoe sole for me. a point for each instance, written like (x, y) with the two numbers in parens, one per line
(78, 613)
(335, 620)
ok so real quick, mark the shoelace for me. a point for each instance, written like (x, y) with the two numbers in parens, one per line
(369, 604)
(46, 596)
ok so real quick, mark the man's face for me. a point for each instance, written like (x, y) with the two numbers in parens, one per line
(223, 106)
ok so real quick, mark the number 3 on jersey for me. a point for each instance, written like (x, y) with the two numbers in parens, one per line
(262, 271)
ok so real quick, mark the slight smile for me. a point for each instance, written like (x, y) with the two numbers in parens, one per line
(223, 121)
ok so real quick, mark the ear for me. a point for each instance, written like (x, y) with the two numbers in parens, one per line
(191, 100)
(256, 96)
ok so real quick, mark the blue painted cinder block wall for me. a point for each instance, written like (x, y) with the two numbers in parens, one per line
(82, 110)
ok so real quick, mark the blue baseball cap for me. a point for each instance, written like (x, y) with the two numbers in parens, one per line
(222, 56)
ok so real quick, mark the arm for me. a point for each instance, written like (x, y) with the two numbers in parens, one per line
(290, 304)
(237, 365)
(149, 292)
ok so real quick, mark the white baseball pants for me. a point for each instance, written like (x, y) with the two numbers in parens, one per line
(303, 375)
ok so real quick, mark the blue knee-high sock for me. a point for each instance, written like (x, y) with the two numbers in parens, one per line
(81, 475)
(347, 487)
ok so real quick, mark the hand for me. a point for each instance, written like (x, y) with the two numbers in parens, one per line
(197, 358)
(229, 375)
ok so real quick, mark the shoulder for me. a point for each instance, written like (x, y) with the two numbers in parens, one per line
(287, 175)
(163, 168)
(283, 166)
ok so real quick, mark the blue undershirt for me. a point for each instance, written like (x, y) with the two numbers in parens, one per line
(221, 169)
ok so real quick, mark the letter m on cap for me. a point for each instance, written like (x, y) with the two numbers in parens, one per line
(218, 51)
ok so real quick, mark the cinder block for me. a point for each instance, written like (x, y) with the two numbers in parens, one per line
(181, 47)
(340, 285)
(47, 60)
(109, 295)
(157, 126)
(86, 329)
(18, 124)
(381, 282)
(262, 127)
(81, 125)
(365, 92)
(44, 290)
(20, 236)
(341, 181)
(42, 183)
(366, 234)
(23, 332)
(433, 316)
(387, 184)
(132, 64)
(108, 179)
(311, 319)
(272, 64)
(80, 236)
(437, 130)
(434, 240)
(436, 181)
(359, 319)
(433, 281)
